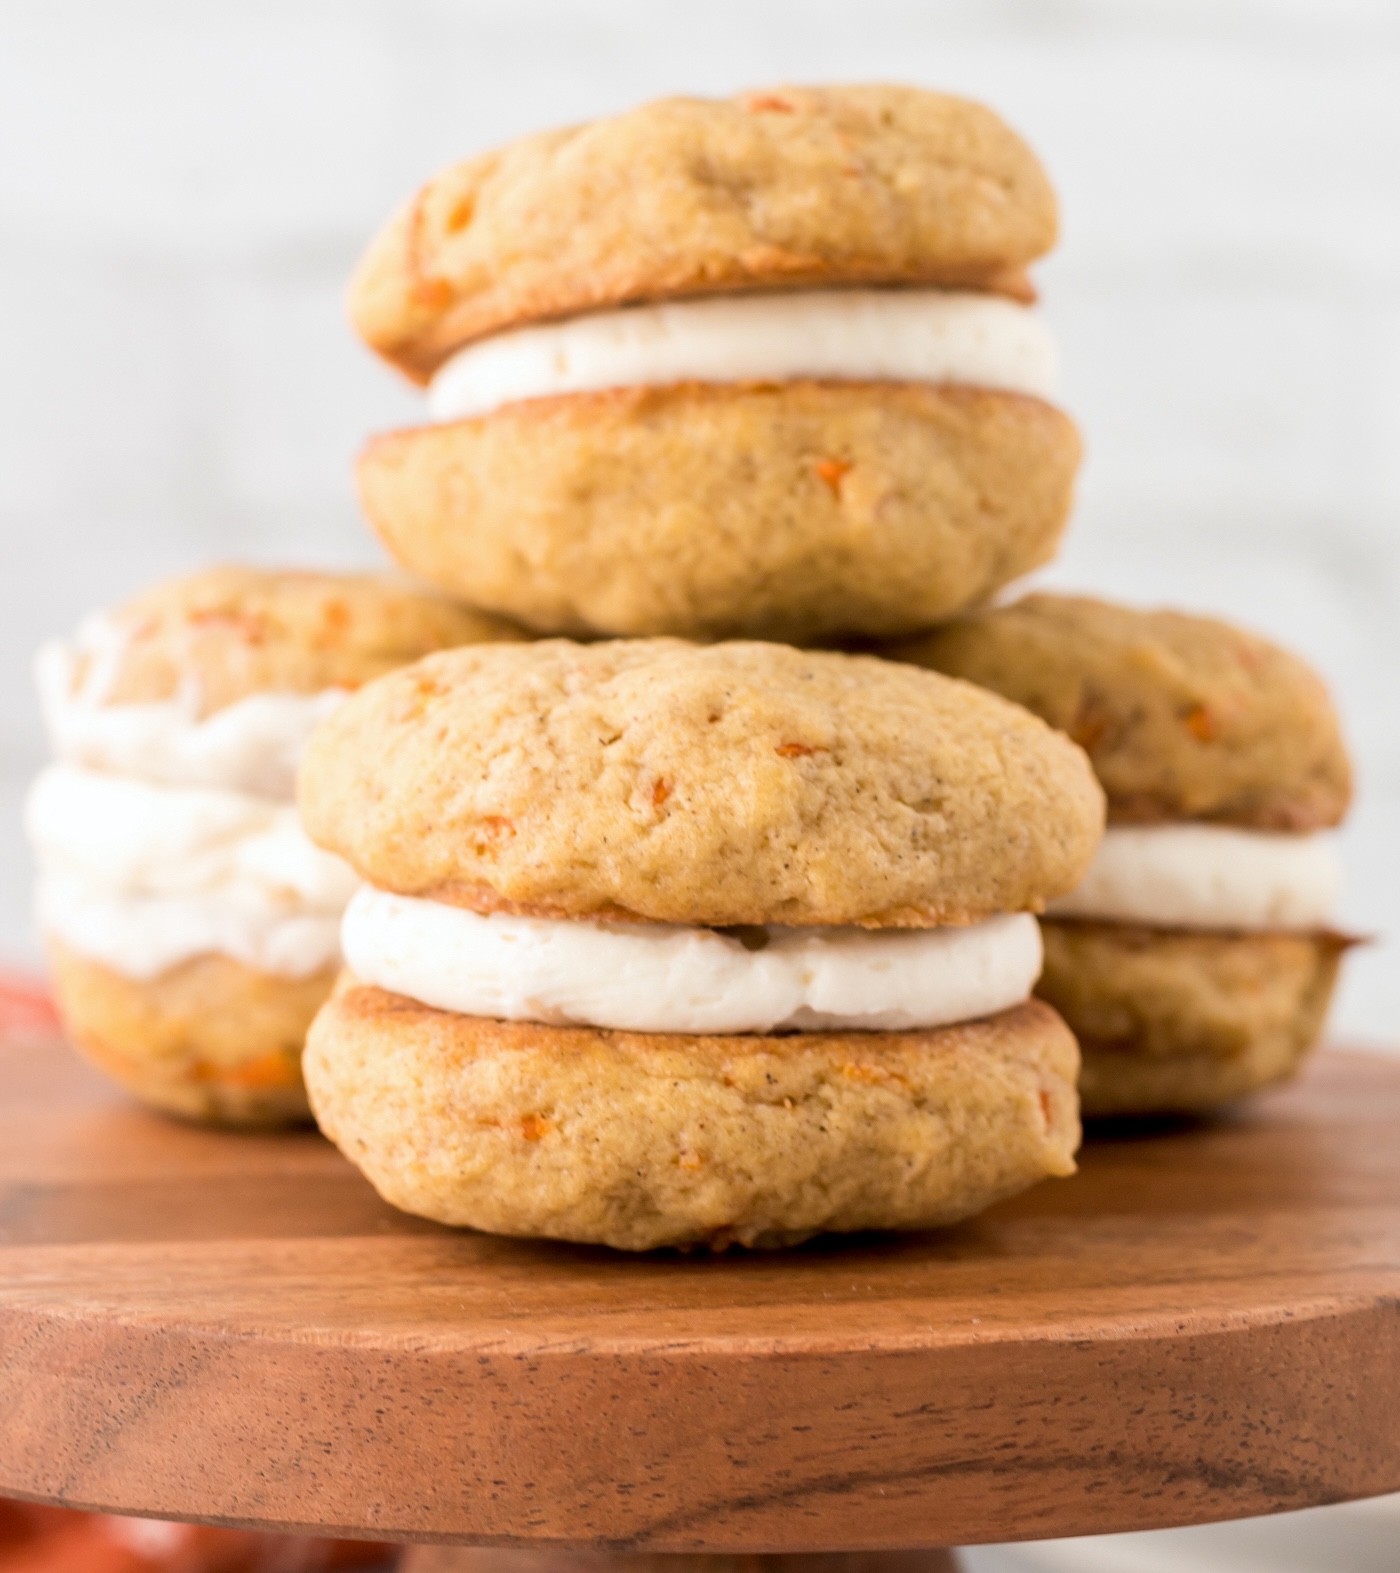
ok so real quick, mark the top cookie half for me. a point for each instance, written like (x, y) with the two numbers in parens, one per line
(686, 196)
(1183, 717)
(230, 632)
(737, 783)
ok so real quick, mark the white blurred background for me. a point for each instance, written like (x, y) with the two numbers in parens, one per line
(184, 188)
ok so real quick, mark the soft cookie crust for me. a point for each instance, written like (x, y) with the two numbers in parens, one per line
(209, 1039)
(1183, 717)
(642, 1140)
(1117, 1085)
(721, 784)
(801, 510)
(815, 186)
(1171, 1020)
(236, 631)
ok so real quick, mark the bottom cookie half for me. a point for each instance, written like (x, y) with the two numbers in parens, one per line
(209, 1039)
(1174, 1021)
(783, 510)
(638, 1140)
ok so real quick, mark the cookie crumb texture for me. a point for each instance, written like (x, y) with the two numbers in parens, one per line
(684, 196)
(1183, 717)
(210, 1040)
(803, 510)
(642, 1140)
(1171, 1021)
(714, 785)
(237, 631)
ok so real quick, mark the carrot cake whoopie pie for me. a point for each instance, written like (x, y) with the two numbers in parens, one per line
(1195, 961)
(764, 366)
(667, 945)
(192, 928)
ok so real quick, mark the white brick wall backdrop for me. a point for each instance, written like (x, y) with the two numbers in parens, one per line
(183, 189)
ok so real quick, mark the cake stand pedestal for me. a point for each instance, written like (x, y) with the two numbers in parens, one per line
(476, 1559)
(1203, 1324)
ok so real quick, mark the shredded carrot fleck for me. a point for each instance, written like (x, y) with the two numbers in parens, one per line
(854, 1070)
(463, 211)
(1090, 722)
(661, 791)
(797, 750)
(833, 472)
(274, 1069)
(1045, 1107)
(426, 289)
(431, 293)
(491, 831)
(771, 102)
(1200, 723)
(248, 626)
(532, 1127)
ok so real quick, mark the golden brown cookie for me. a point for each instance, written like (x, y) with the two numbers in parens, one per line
(639, 1140)
(212, 1038)
(803, 510)
(238, 631)
(722, 784)
(685, 196)
(1183, 717)
(209, 1039)
(1173, 1020)
(1114, 1084)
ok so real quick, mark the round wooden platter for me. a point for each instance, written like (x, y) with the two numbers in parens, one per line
(1204, 1323)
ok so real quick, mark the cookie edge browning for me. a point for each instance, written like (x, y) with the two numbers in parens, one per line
(1153, 691)
(1172, 1020)
(210, 1039)
(579, 514)
(426, 286)
(448, 1116)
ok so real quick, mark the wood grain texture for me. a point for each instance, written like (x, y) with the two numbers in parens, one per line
(1205, 1323)
(476, 1559)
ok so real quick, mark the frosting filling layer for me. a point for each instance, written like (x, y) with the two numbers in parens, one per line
(252, 745)
(645, 977)
(143, 936)
(1208, 877)
(899, 335)
(142, 876)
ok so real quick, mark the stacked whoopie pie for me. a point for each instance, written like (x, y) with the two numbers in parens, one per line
(666, 943)
(192, 927)
(761, 367)
(1196, 960)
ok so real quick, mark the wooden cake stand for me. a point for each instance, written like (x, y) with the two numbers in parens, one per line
(1204, 1324)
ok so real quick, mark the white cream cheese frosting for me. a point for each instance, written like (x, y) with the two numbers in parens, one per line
(1208, 877)
(646, 977)
(252, 745)
(143, 936)
(142, 876)
(901, 335)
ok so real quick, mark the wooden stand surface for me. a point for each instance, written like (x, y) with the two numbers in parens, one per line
(1204, 1323)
